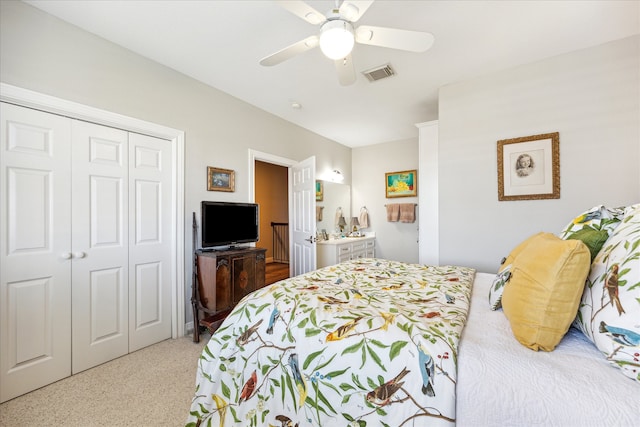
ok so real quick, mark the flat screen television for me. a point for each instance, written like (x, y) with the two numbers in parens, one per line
(229, 224)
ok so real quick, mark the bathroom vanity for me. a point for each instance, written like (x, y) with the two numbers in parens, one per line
(334, 251)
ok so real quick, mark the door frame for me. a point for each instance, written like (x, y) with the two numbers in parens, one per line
(31, 99)
(254, 156)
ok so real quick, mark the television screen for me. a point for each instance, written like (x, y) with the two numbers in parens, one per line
(226, 223)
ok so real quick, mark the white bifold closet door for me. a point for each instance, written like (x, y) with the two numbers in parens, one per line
(35, 245)
(86, 261)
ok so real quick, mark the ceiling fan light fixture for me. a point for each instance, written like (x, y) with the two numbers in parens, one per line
(349, 11)
(336, 39)
(314, 18)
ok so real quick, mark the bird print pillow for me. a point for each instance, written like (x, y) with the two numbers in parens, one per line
(593, 227)
(497, 287)
(609, 312)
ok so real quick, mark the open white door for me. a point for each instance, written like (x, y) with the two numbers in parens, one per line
(303, 216)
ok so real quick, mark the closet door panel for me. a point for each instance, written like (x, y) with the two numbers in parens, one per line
(35, 258)
(106, 291)
(150, 274)
(100, 244)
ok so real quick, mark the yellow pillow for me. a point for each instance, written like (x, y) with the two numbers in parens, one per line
(504, 274)
(547, 280)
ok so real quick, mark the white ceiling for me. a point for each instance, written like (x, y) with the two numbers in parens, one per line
(221, 42)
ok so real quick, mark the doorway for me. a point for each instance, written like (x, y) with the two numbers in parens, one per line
(271, 185)
(301, 207)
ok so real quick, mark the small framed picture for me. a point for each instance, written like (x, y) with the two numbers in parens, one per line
(529, 167)
(319, 191)
(401, 184)
(220, 179)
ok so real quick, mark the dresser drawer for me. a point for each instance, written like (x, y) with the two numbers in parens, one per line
(355, 247)
(343, 249)
(344, 257)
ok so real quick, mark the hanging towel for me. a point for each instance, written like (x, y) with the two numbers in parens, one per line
(407, 212)
(364, 218)
(393, 212)
(319, 213)
(338, 216)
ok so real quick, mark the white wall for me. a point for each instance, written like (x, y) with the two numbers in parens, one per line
(394, 240)
(591, 97)
(42, 53)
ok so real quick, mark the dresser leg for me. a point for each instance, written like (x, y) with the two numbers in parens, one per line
(196, 325)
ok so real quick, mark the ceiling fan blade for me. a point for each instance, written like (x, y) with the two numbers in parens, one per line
(290, 51)
(346, 71)
(353, 10)
(413, 41)
(302, 10)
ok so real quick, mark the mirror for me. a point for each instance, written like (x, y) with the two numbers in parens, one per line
(334, 196)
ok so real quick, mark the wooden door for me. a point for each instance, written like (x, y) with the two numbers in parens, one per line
(35, 250)
(303, 217)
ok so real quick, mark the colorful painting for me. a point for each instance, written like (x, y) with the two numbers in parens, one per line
(319, 191)
(401, 184)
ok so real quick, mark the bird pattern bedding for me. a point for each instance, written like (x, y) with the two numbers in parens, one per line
(365, 342)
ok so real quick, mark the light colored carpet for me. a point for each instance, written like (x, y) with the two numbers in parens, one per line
(150, 387)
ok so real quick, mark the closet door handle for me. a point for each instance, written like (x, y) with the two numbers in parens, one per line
(66, 255)
(79, 254)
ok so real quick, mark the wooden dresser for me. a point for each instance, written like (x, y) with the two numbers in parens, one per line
(224, 277)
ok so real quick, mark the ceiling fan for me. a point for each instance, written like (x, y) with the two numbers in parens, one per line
(338, 35)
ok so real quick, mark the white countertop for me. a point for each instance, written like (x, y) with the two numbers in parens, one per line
(344, 240)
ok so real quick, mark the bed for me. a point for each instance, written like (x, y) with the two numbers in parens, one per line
(365, 342)
(581, 287)
(501, 382)
(378, 342)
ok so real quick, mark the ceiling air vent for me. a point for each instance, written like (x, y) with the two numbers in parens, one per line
(379, 73)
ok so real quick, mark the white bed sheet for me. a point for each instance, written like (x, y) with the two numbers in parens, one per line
(501, 382)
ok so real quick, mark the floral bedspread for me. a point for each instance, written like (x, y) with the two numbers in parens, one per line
(365, 342)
